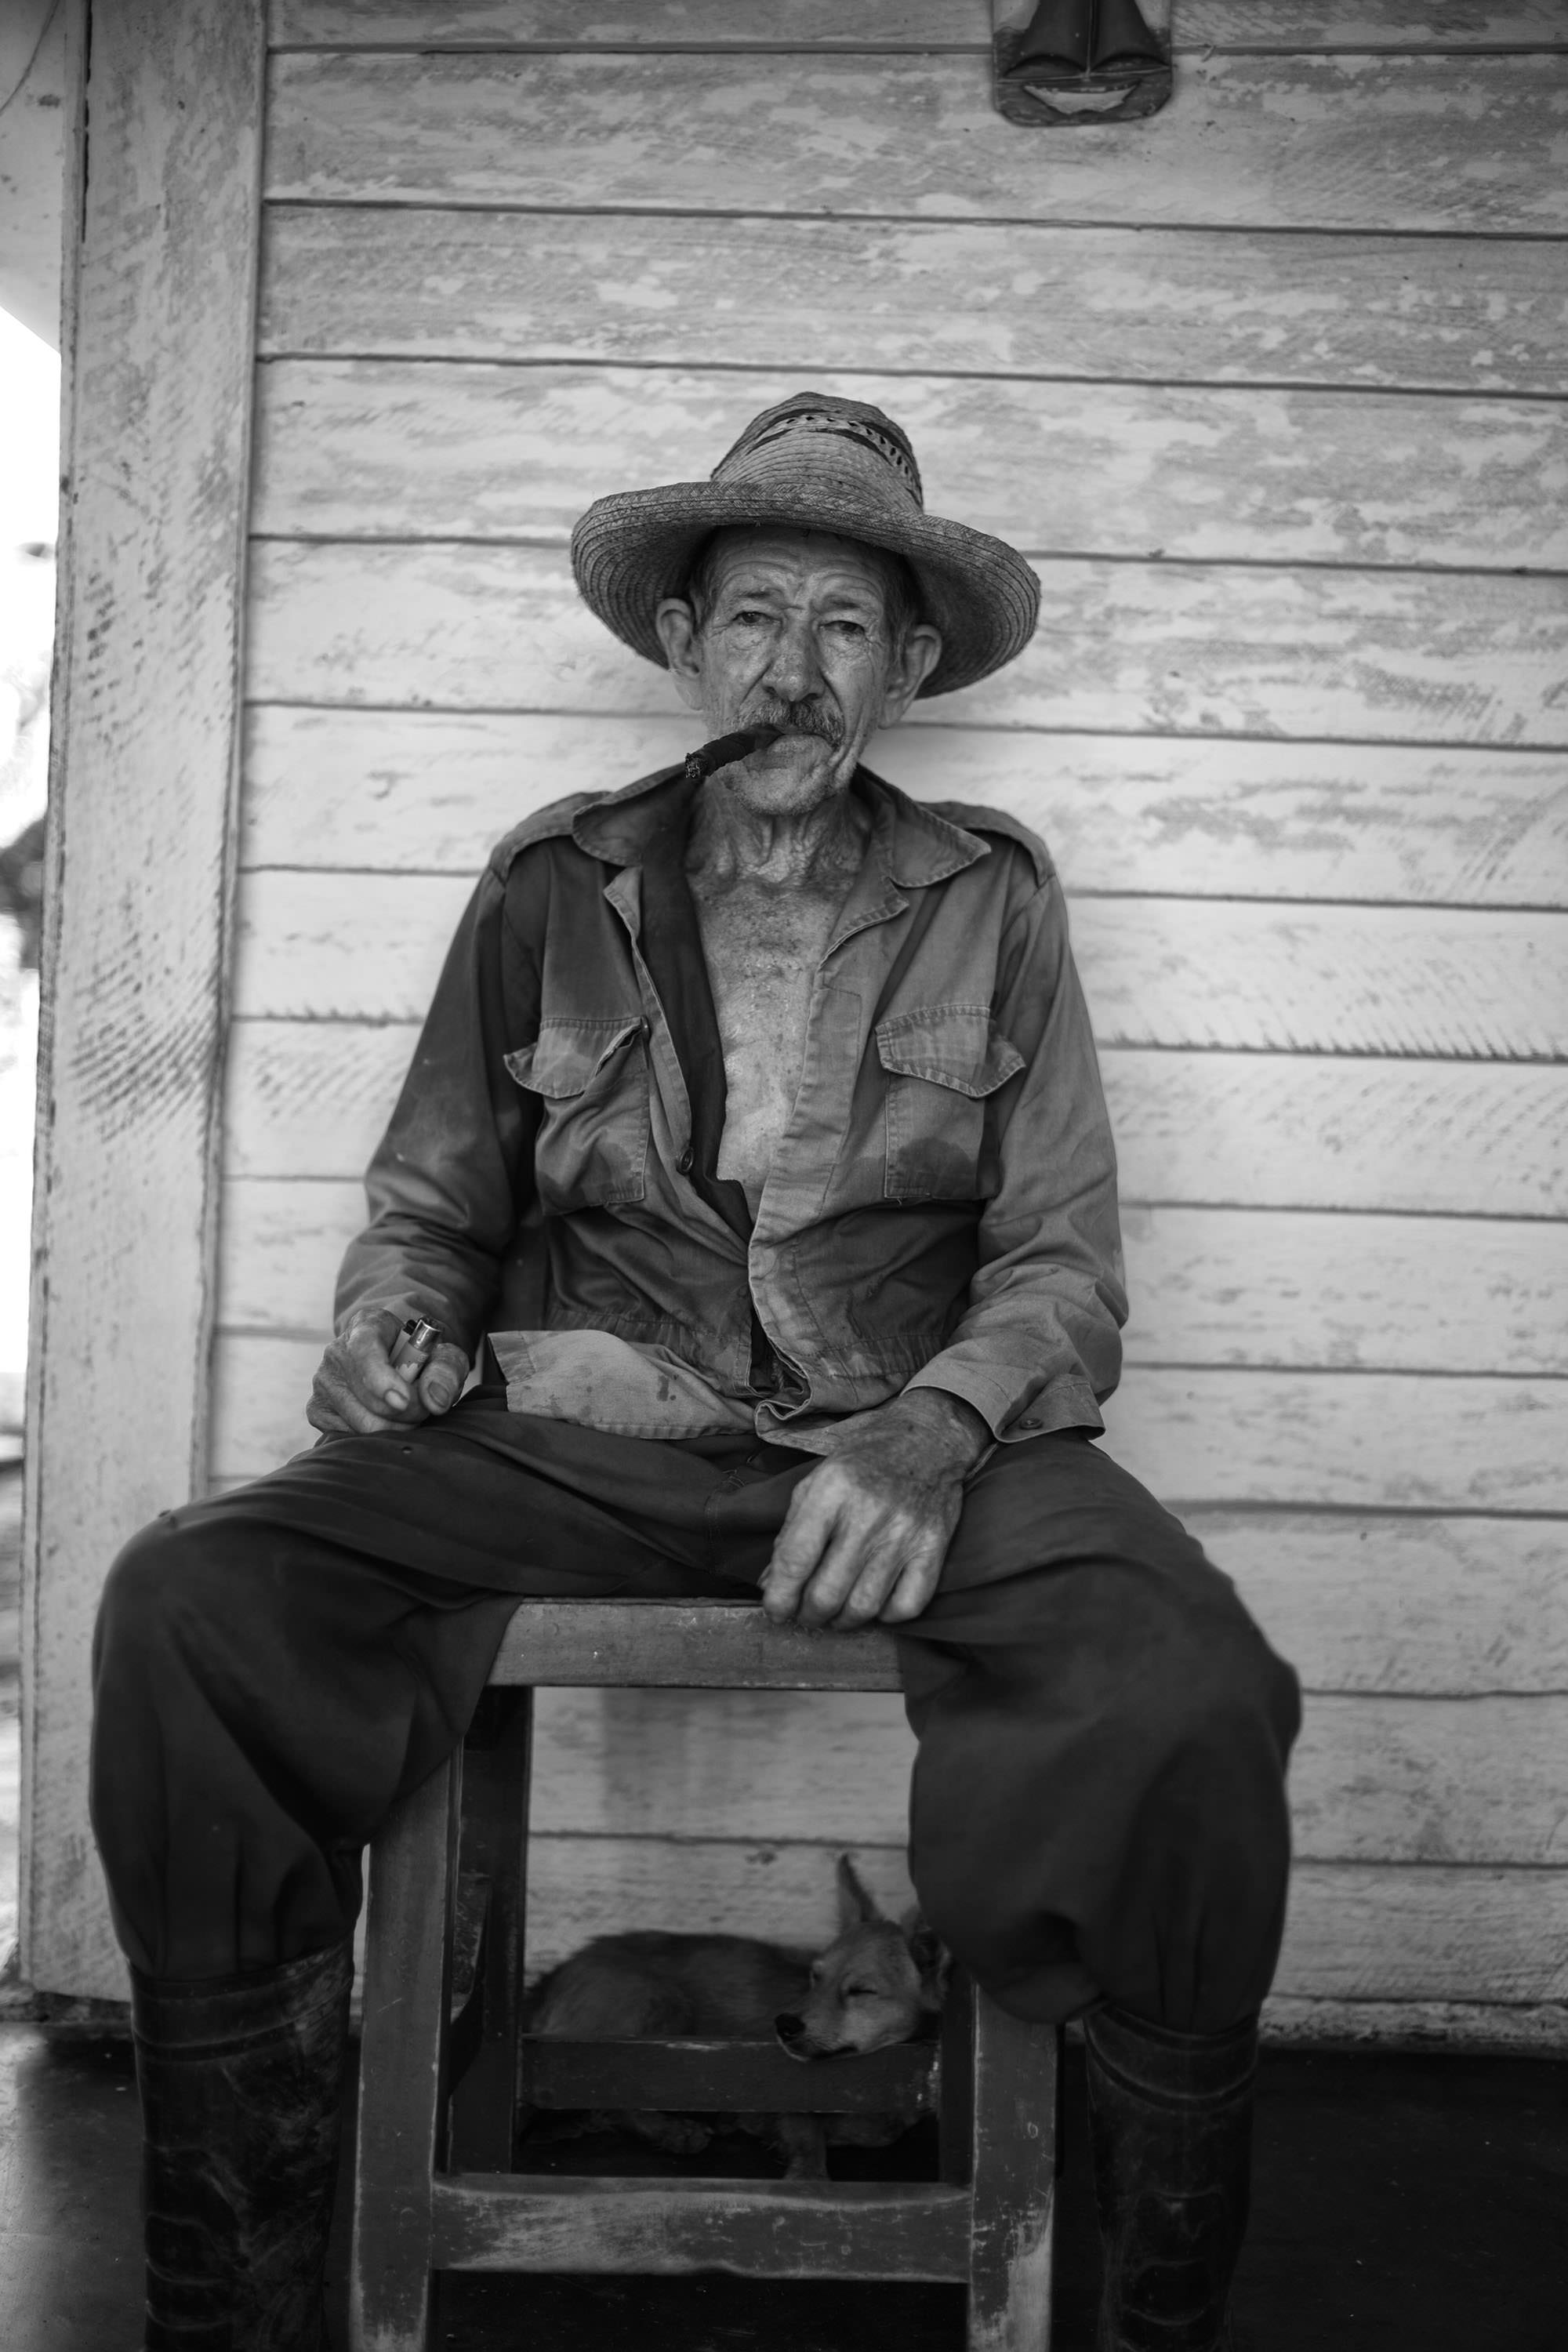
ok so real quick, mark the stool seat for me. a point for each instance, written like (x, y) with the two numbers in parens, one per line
(444, 2060)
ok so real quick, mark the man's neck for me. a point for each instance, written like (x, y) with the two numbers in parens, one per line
(811, 849)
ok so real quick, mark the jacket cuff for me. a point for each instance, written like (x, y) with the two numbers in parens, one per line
(1015, 1407)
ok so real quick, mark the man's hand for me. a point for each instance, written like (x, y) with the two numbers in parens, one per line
(357, 1391)
(867, 1532)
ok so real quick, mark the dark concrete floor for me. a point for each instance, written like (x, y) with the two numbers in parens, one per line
(1403, 2204)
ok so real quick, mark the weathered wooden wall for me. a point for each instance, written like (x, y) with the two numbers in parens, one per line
(1270, 388)
(160, 287)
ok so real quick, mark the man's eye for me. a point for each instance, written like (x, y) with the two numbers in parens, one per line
(849, 628)
(752, 618)
(859, 1993)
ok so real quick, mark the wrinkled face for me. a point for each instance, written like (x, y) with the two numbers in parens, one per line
(795, 633)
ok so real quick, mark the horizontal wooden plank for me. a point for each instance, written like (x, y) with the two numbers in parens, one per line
(1419, 1605)
(431, 792)
(1166, 649)
(1479, 2028)
(581, 1644)
(1306, 1131)
(1431, 1781)
(1354, 1932)
(1373, 1780)
(1208, 1286)
(1209, 972)
(1295, 1287)
(310, 1099)
(775, 2229)
(1365, 1441)
(727, 2077)
(1285, 24)
(1361, 1441)
(388, 449)
(998, 298)
(1355, 141)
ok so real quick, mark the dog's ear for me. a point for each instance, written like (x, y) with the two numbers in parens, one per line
(856, 1905)
(931, 1957)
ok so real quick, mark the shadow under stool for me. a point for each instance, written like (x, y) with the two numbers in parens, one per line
(444, 2063)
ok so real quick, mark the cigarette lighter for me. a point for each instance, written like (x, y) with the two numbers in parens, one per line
(414, 1347)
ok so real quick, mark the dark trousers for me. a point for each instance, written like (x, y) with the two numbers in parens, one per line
(1098, 1799)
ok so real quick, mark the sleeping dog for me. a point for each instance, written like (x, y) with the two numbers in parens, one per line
(875, 1984)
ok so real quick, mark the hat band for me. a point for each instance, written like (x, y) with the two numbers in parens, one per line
(843, 429)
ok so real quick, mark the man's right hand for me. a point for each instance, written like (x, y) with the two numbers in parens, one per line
(356, 1389)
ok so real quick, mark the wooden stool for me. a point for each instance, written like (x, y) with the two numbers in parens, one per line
(443, 2061)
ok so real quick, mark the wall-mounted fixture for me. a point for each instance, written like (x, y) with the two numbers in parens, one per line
(1062, 62)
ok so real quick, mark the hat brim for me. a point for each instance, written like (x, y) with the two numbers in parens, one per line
(631, 550)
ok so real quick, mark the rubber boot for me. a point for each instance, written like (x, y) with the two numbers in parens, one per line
(1171, 2135)
(241, 2081)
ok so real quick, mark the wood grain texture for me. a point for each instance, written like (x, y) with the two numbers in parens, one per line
(1359, 1440)
(1160, 648)
(1285, 24)
(1204, 1437)
(1372, 1779)
(1218, 972)
(1415, 1604)
(1354, 142)
(960, 298)
(1309, 1131)
(1485, 2028)
(432, 792)
(1306, 1131)
(1407, 1294)
(433, 449)
(146, 730)
(1208, 1285)
(1354, 1932)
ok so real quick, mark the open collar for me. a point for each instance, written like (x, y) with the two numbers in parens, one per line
(912, 847)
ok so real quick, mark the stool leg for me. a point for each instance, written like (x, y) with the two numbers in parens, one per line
(495, 1846)
(403, 2056)
(1013, 2175)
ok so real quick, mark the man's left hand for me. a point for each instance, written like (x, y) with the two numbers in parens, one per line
(867, 1531)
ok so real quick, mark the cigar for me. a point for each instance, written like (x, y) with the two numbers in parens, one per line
(724, 750)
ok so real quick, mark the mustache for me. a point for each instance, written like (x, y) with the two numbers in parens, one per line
(805, 718)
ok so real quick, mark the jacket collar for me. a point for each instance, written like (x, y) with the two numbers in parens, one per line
(913, 845)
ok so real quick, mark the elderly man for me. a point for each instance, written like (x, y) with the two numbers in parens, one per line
(754, 1155)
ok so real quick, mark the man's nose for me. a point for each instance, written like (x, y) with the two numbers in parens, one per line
(795, 671)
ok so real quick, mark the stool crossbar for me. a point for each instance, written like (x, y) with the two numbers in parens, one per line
(444, 2060)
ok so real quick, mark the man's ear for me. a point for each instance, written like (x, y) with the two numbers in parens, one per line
(678, 633)
(856, 1903)
(919, 655)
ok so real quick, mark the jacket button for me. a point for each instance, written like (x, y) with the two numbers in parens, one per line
(1030, 1423)
(683, 1165)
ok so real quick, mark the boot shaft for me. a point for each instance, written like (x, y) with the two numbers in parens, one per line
(241, 2083)
(1171, 2133)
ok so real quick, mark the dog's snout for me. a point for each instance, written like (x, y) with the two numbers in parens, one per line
(788, 2027)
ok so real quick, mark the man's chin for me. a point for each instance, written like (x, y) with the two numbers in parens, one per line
(794, 773)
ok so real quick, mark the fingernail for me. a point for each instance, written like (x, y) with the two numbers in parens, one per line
(441, 1396)
(397, 1398)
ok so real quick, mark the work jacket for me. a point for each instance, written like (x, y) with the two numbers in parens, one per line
(941, 1212)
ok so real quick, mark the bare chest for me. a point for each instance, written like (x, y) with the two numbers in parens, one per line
(763, 948)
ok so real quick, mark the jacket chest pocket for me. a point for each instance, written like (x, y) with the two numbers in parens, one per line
(941, 1063)
(591, 1076)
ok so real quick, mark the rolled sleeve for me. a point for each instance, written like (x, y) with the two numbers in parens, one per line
(1038, 1346)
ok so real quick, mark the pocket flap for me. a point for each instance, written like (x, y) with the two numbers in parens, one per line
(569, 1053)
(951, 1045)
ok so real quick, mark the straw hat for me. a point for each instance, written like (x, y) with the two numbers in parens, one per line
(814, 463)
